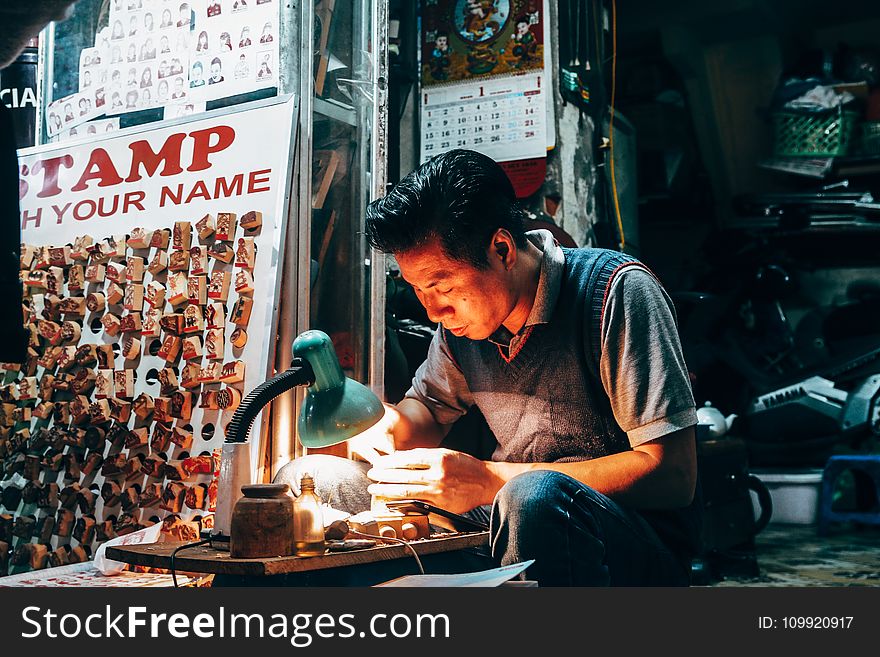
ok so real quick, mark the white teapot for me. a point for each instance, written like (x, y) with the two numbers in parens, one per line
(718, 424)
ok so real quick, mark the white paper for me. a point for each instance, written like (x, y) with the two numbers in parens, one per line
(109, 566)
(483, 578)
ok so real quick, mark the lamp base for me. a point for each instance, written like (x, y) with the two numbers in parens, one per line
(235, 472)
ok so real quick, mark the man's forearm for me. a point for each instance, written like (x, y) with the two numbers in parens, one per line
(417, 426)
(641, 478)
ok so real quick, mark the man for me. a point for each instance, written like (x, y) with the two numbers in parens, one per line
(197, 79)
(573, 358)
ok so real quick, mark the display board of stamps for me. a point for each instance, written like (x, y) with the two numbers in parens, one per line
(147, 325)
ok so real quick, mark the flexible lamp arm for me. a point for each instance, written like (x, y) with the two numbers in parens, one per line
(299, 374)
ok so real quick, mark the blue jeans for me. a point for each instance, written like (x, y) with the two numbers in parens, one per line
(576, 535)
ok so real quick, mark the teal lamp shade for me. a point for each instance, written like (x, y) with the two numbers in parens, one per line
(335, 407)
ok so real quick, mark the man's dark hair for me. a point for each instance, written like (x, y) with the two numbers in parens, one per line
(460, 197)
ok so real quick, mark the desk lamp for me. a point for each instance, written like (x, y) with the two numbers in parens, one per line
(335, 409)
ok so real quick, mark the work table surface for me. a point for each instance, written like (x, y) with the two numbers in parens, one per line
(205, 559)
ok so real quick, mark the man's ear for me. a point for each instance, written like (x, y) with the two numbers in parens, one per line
(503, 248)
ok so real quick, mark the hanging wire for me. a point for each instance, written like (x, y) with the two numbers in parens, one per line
(622, 242)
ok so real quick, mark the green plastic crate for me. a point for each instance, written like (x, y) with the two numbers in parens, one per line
(828, 134)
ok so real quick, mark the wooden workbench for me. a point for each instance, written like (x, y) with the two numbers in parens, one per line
(205, 559)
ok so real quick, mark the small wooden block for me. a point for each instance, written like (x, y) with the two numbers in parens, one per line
(36, 279)
(172, 323)
(115, 293)
(111, 491)
(154, 465)
(134, 270)
(86, 355)
(139, 437)
(59, 256)
(55, 280)
(178, 261)
(134, 297)
(197, 290)
(159, 263)
(105, 356)
(198, 258)
(73, 306)
(170, 348)
(189, 376)
(215, 344)
(70, 332)
(173, 496)
(215, 316)
(160, 238)
(96, 302)
(143, 406)
(232, 372)
(124, 383)
(26, 256)
(221, 251)
(238, 338)
(192, 347)
(241, 311)
(99, 411)
(244, 282)
(151, 495)
(130, 323)
(218, 287)
(120, 410)
(177, 292)
(205, 226)
(228, 399)
(150, 327)
(115, 272)
(131, 347)
(182, 439)
(139, 238)
(210, 372)
(245, 253)
(154, 295)
(82, 247)
(161, 439)
(181, 237)
(208, 400)
(197, 497)
(181, 404)
(79, 409)
(193, 320)
(112, 324)
(67, 358)
(27, 388)
(225, 226)
(76, 278)
(104, 384)
(252, 220)
(95, 273)
(167, 381)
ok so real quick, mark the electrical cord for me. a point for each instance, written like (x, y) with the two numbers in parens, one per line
(393, 540)
(178, 549)
(611, 122)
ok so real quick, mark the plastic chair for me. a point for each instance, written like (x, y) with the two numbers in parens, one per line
(866, 470)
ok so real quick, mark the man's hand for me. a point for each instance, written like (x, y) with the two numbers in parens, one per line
(451, 480)
(378, 440)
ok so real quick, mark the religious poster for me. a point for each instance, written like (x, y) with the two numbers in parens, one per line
(466, 39)
(485, 84)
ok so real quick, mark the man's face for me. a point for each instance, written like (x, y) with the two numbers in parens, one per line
(441, 43)
(467, 301)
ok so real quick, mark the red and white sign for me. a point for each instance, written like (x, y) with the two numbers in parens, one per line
(175, 171)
